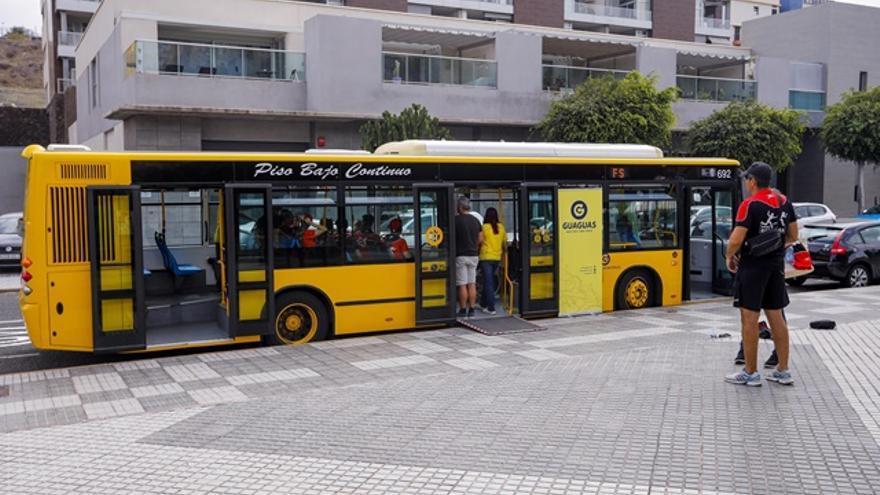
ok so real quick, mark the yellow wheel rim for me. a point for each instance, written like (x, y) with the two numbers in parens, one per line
(637, 293)
(296, 324)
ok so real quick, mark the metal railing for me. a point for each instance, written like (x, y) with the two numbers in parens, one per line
(70, 38)
(62, 83)
(714, 23)
(811, 101)
(407, 68)
(563, 77)
(640, 12)
(179, 58)
(716, 88)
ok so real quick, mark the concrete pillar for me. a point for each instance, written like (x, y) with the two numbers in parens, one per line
(519, 61)
(343, 63)
(774, 78)
(661, 62)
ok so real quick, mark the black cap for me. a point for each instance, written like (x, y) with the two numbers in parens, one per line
(760, 171)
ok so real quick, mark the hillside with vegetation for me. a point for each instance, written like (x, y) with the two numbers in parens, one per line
(21, 70)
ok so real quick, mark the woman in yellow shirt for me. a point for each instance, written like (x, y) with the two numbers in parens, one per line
(494, 242)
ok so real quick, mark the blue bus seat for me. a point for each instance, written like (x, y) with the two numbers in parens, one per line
(170, 262)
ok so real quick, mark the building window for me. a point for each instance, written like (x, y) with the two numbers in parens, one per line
(736, 31)
(774, 11)
(757, 10)
(863, 81)
(94, 87)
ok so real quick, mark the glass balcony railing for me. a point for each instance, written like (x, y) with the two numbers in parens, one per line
(716, 88)
(561, 77)
(177, 58)
(405, 68)
(714, 23)
(811, 101)
(641, 11)
(61, 84)
(69, 38)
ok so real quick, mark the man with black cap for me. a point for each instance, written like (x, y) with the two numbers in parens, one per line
(765, 224)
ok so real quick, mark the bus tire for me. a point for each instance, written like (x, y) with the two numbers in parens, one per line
(635, 290)
(300, 318)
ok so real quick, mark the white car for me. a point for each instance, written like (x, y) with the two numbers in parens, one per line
(813, 213)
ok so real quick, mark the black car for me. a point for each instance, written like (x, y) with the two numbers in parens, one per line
(10, 239)
(846, 252)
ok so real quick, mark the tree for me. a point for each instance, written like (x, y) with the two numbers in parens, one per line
(749, 132)
(608, 110)
(851, 131)
(413, 122)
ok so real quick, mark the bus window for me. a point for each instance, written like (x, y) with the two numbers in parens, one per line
(306, 231)
(642, 217)
(380, 224)
(181, 221)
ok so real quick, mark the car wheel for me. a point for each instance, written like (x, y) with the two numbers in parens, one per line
(857, 276)
(796, 281)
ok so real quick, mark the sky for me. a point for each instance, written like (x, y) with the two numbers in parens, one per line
(27, 12)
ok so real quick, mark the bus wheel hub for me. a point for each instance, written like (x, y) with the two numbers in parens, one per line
(637, 293)
(293, 322)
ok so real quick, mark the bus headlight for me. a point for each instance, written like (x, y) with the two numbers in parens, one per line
(27, 290)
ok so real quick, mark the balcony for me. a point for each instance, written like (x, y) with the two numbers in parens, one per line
(639, 12)
(61, 84)
(194, 59)
(494, 6)
(716, 89)
(406, 68)
(88, 6)
(714, 23)
(811, 101)
(69, 38)
(563, 78)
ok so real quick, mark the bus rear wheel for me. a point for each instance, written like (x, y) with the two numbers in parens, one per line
(635, 290)
(300, 318)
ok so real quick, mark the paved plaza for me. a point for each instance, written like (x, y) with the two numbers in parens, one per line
(631, 402)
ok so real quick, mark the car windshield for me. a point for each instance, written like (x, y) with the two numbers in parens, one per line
(820, 234)
(8, 225)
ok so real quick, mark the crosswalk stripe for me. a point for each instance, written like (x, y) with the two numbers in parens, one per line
(4, 322)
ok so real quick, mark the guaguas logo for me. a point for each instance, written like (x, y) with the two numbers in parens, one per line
(579, 210)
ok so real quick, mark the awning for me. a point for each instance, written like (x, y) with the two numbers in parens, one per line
(715, 51)
(425, 35)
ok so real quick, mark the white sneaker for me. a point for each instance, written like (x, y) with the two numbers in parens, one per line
(489, 311)
(744, 378)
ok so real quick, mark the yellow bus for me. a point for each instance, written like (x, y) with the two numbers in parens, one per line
(134, 251)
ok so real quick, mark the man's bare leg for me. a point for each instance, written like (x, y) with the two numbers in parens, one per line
(779, 332)
(749, 320)
(472, 295)
(462, 296)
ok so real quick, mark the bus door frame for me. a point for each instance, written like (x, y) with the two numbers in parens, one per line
(527, 306)
(233, 286)
(119, 340)
(714, 187)
(440, 314)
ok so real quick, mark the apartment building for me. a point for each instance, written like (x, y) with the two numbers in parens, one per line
(278, 75)
(64, 22)
(835, 45)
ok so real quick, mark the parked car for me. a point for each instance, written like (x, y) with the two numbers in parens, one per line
(700, 214)
(846, 252)
(10, 239)
(813, 213)
(872, 213)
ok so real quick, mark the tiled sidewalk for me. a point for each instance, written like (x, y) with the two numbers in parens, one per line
(630, 402)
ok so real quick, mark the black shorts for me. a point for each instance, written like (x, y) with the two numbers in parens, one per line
(760, 287)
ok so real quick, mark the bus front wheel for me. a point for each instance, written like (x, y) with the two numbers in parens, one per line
(635, 290)
(300, 317)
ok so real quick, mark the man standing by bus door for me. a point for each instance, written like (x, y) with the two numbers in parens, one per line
(468, 238)
(765, 224)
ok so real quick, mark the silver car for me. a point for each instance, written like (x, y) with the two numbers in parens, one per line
(10, 239)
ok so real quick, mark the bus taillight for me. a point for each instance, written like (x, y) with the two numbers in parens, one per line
(26, 276)
(26, 262)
